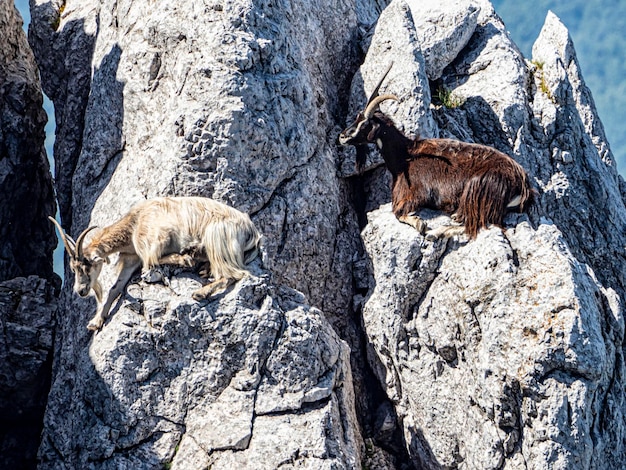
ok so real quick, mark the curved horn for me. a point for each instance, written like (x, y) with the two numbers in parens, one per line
(380, 82)
(80, 239)
(373, 106)
(67, 241)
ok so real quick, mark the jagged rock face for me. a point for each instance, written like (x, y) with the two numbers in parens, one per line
(27, 281)
(235, 100)
(504, 351)
(501, 352)
(27, 320)
(254, 379)
(26, 237)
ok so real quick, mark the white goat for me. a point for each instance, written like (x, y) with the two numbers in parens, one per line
(165, 230)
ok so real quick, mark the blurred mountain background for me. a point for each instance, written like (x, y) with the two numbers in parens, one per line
(597, 28)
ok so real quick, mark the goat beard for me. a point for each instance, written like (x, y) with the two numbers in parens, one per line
(361, 157)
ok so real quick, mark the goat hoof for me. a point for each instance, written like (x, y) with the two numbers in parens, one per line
(199, 296)
(152, 276)
(94, 325)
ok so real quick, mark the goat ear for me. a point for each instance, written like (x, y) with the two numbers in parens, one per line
(99, 259)
(371, 135)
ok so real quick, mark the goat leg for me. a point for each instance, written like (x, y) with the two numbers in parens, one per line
(185, 260)
(445, 231)
(214, 287)
(414, 221)
(128, 264)
(205, 270)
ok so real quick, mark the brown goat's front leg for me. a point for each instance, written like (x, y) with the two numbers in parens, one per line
(128, 264)
(414, 221)
(445, 231)
(219, 285)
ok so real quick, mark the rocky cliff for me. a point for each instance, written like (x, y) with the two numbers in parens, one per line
(356, 342)
(27, 282)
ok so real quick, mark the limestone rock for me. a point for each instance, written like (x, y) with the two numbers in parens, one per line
(503, 352)
(494, 349)
(230, 100)
(27, 321)
(444, 28)
(26, 237)
(252, 379)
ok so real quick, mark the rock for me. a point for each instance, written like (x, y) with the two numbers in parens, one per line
(27, 320)
(239, 107)
(26, 237)
(494, 348)
(444, 28)
(499, 352)
(252, 379)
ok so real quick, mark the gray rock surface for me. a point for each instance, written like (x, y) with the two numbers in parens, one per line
(228, 100)
(27, 320)
(503, 352)
(27, 281)
(26, 237)
(506, 352)
(252, 379)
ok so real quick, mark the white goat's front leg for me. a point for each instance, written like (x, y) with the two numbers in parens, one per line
(127, 265)
(184, 260)
(219, 285)
(415, 222)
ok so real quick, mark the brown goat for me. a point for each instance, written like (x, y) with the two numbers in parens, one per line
(475, 184)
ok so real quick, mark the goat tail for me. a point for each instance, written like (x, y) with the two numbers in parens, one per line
(230, 244)
(527, 193)
(487, 198)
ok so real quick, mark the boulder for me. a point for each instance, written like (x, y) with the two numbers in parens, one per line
(254, 378)
(504, 351)
(26, 237)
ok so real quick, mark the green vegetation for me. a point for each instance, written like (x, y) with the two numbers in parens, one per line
(56, 22)
(597, 29)
(543, 85)
(448, 98)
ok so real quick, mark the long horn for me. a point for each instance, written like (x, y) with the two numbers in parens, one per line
(67, 241)
(80, 239)
(373, 106)
(380, 82)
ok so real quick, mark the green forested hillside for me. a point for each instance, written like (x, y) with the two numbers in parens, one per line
(598, 29)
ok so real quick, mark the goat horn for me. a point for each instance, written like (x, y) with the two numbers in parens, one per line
(80, 239)
(380, 82)
(67, 241)
(373, 106)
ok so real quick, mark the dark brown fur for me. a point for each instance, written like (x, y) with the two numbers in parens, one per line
(474, 182)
